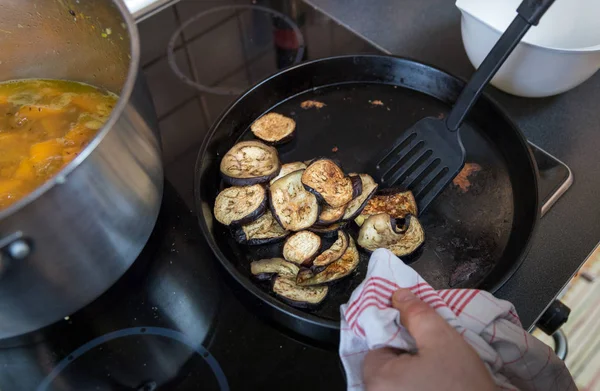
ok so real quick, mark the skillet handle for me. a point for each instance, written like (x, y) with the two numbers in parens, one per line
(554, 317)
(529, 13)
(551, 321)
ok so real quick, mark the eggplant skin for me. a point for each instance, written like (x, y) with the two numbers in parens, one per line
(355, 207)
(394, 202)
(329, 231)
(356, 185)
(379, 231)
(298, 296)
(325, 179)
(274, 128)
(287, 169)
(263, 230)
(302, 247)
(267, 268)
(333, 253)
(336, 270)
(238, 205)
(294, 208)
(248, 163)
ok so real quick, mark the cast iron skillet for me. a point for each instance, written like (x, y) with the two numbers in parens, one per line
(474, 238)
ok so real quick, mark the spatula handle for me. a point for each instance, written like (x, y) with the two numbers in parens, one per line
(533, 10)
(529, 14)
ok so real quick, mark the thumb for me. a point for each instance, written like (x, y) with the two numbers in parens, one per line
(422, 322)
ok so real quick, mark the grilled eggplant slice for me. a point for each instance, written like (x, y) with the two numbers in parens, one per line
(299, 296)
(334, 271)
(274, 128)
(333, 253)
(327, 231)
(240, 204)
(330, 215)
(394, 202)
(263, 230)
(293, 207)
(355, 207)
(302, 247)
(267, 268)
(250, 162)
(327, 181)
(379, 231)
(288, 168)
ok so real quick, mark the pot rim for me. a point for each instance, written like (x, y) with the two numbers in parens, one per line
(60, 177)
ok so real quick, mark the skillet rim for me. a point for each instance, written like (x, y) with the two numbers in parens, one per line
(297, 314)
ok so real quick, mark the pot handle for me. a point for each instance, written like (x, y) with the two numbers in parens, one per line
(13, 247)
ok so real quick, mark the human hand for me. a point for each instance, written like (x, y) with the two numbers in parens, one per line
(444, 360)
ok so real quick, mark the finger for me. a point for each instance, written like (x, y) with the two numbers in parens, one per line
(422, 322)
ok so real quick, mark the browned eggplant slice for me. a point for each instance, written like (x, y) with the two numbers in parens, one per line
(334, 271)
(302, 247)
(298, 296)
(240, 204)
(288, 168)
(394, 202)
(250, 162)
(274, 128)
(330, 215)
(333, 253)
(379, 231)
(293, 207)
(326, 179)
(263, 230)
(267, 268)
(327, 231)
(355, 207)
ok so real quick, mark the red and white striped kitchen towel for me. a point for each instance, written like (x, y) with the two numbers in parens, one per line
(516, 360)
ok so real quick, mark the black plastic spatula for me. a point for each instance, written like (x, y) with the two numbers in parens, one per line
(430, 154)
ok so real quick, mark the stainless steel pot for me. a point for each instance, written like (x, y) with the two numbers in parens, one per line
(71, 239)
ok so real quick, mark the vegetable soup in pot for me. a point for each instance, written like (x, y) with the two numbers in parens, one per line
(44, 124)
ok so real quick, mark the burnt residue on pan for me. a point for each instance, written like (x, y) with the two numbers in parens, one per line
(463, 179)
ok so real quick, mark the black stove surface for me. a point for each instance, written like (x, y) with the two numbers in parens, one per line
(175, 321)
(170, 323)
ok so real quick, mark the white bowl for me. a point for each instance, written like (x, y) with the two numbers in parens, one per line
(560, 53)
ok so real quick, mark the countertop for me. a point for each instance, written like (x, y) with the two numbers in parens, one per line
(567, 125)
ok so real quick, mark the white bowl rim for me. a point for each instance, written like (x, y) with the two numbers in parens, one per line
(595, 48)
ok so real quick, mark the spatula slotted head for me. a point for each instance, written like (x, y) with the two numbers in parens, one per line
(425, 159)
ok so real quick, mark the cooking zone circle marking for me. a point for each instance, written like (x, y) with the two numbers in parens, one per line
(156, 331)
(228, 90)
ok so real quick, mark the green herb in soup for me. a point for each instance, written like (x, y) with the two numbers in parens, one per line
(44, 124)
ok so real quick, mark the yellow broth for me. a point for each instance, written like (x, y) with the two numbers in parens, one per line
(44, 124)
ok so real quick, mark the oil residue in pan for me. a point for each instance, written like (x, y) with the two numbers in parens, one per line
(466, 231)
